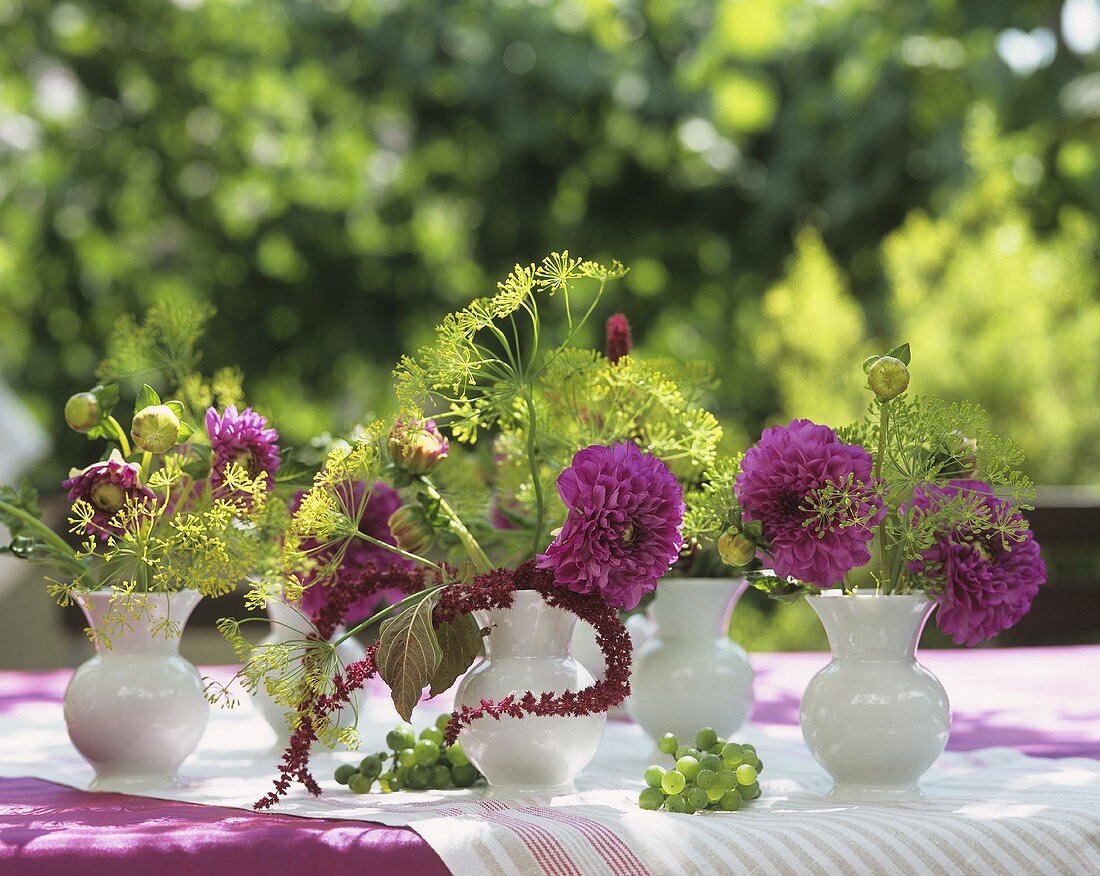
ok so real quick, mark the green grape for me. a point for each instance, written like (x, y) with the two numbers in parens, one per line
(344, 773)
(389, 781)
(749, 792)
(434, 734)
(746, 774)
(403, 774)
(401, 736)
(442, 721)
(668, 743)
(371, 766)
(731, 801)
(653, 776)
(727, 779)
(715, 794)
(673, 782)
(426, 752)
(651, 799)
(676, 803)
(711, 762)
(464, 775)
(420, 777)
(360, 784)
(455, 755)
(757, 764)
(706, 737)
(441, 776)
(748, 747)
(717, 748)
(705, 779)
(681, 751)
(693, 752)
(406, 757)
(697, 799)
(732, 754)
(689, 766)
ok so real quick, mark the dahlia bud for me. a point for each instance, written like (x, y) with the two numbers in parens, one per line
(735, 549)
(410, 530)
(888, 377)
(156, 429)
(417, 446)
(83, 412)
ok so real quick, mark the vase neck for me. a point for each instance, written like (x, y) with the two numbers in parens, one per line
(134, 624)
(529, 628)
(868, 627)
(688, 608)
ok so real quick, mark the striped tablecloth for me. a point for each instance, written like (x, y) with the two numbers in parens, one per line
(992, 810)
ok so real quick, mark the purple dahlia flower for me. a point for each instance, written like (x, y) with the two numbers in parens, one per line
(782, 475)
(988, 581)
(357, 554)
(623, 528)
(245, 439)
(107, 486)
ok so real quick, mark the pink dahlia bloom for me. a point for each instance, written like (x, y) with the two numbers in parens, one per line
(623, 529)
(358, 554)
(988, 583)
(107, 486)
(780, 477)
(245, 439)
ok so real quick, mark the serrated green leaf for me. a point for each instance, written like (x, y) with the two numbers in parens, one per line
(408, 654)
(146, 397)
(460, 644)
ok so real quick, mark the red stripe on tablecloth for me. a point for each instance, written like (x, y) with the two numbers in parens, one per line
(544, 847)
(617, 854)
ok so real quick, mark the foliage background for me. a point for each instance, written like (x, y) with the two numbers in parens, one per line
(795, 184)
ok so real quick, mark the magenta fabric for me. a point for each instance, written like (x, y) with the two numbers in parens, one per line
(1030, 699)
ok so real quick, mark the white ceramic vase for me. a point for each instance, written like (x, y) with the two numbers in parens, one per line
(587, 651)
(289, 624)
(136, 710)
(527, 649)
(874, 717)
(691, 675)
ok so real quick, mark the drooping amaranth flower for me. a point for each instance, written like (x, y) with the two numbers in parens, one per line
(107, 486)
(244, 439)
(988, 578)
(814, 498)
(622, 532)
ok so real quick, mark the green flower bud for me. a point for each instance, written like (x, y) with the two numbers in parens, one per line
(156, 429)
(83, 412)
(735, 549)
(888, 377)
(417, 445)
(409, 530)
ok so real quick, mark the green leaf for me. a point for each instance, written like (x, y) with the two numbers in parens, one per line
(185, 432)
(107, 396)
(901, 352)
(460, 642)
(409, 654)
(146, 397)
(176, 407)
(868, 362)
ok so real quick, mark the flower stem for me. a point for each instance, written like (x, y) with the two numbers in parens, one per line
(540, 517)
(393, 549)
(883, 429)
(120, 434)
(389, 609)
(48, 535)
(473, 549)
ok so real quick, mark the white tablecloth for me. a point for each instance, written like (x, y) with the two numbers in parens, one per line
(992, 811)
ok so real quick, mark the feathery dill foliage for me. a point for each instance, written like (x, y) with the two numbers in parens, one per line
(492, 369)
(711, 507)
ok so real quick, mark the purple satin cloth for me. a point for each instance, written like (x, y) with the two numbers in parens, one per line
(1036, 700)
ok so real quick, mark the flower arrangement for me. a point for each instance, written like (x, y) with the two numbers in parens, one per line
(577, 495)
(167, 507)
(919, 493)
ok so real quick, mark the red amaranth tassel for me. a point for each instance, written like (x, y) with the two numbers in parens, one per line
(618, 337)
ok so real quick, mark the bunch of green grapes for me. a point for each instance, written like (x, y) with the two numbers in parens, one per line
(413, 764)
(715, 775)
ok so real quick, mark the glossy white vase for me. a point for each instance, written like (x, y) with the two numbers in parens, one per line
(874, 717)
(587, 651)
(527, 649)
(691, 675)
(287, 625)
(136, 710)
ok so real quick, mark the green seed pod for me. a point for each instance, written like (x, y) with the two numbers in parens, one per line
(83, 412)
(888, 377)
(735, 549)
(156, 429)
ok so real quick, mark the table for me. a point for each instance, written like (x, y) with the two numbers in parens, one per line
(1034, 700)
